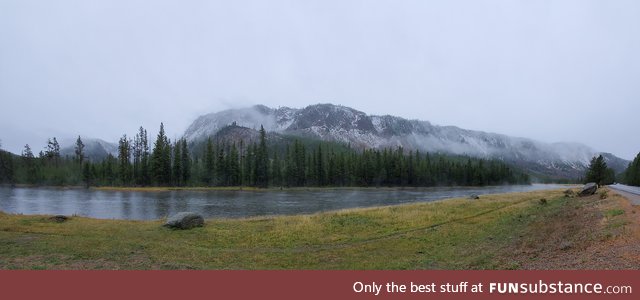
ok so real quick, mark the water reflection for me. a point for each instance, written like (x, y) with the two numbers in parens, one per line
(223, 204)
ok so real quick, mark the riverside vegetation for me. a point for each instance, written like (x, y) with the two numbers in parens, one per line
(505, 231)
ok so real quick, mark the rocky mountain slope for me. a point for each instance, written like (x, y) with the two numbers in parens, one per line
(343, 124)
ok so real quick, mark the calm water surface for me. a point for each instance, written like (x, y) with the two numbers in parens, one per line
(224, 204)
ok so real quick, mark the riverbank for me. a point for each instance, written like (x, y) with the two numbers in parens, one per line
(505, 231)
(148, 205)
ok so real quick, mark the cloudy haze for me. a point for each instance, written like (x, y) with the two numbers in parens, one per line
(547, 70)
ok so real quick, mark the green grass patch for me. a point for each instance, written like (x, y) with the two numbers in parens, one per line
(451, 234)
(614, 212)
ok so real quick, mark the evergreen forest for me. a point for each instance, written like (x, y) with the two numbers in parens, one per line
(291, 162)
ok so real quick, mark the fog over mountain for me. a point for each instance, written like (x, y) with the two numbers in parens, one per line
(546, 70)
(343, 124)
(94, 149)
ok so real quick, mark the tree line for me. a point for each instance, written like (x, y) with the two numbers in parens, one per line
(600, 173)
(285, 164)
(631, 175)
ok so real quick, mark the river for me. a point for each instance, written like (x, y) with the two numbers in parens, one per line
(136, 205)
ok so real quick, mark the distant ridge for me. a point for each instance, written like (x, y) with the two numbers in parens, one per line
(338, 123)
(94, 149)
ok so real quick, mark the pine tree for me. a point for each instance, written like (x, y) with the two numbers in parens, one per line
(320, 167)
(140, 154)
(7, 171)
(87, 175)
(262, 161)
(108, 172)
(276, 171)
(288, 164)
(177, 164)
(161, 159)
(233, 166)
(209, 163)
(221, 168)
(52, 153)
(137, 157)
(410, 170)
(300, 164)
(124, 160)
(598, 171)
(79, 151)
(186, 162)
(145, 169)
(631, 175)
(26, 152)
(241, 163)
(29, 161)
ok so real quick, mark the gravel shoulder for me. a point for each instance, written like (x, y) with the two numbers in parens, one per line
(633, 198)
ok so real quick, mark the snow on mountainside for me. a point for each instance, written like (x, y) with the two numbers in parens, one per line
(251, 117)
(343, 124)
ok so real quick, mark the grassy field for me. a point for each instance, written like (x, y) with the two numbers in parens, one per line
(451, 234)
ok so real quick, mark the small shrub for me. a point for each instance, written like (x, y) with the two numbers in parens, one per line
(569, 193)
(604, 195)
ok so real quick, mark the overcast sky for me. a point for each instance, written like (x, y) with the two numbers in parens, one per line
(547, 70)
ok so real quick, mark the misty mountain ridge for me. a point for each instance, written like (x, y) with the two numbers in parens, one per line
(338, 123)
(94, 149)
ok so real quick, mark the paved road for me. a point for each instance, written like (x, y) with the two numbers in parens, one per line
(630, 192)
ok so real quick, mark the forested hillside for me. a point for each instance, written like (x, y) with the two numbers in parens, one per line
(261, 162)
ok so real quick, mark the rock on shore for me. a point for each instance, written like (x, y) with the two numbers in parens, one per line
(185, 220)
(588, 189)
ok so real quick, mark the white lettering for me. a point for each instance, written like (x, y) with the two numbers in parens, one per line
(360, 287)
